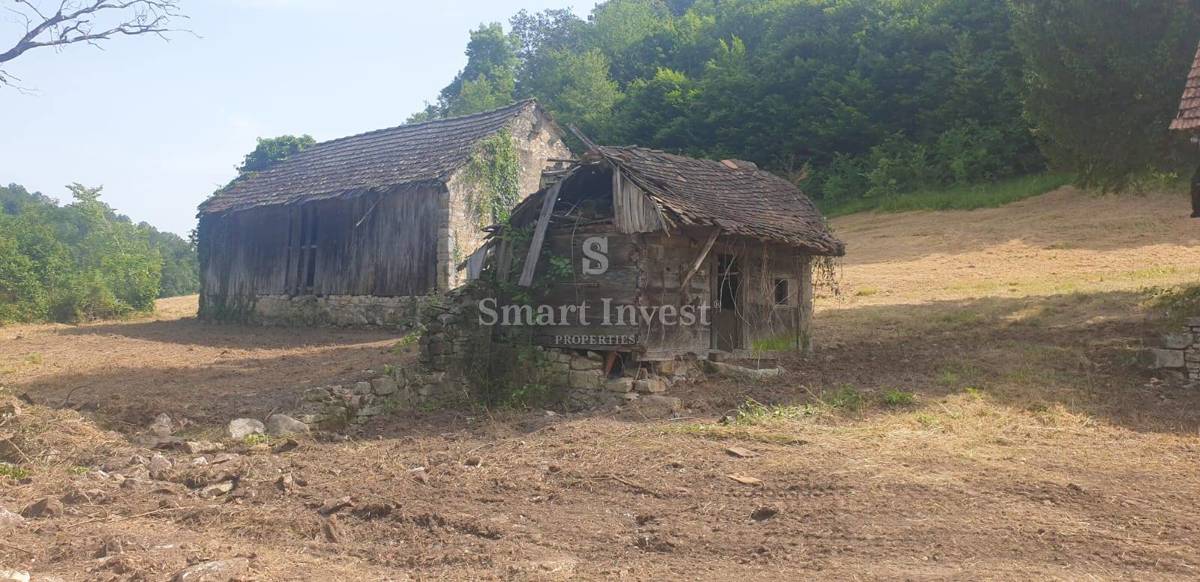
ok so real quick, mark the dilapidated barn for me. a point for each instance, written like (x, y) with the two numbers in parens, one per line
(660, 256)
(359, 230)
(1188, 120)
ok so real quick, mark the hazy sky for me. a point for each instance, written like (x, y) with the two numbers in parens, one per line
(161, 125)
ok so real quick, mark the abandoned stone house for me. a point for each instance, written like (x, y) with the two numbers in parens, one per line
(659, 256)
(359, 230)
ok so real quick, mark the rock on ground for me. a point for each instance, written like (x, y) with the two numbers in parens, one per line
(243, 427)
(13, 576)
(284, 425)
(160, 468)
(656, 406)
(215, 571)
(9, 520)
(732, 371)
(46, 507)
(162, 426)
(202, 447)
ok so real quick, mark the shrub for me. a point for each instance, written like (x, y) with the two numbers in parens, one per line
(845, 398)
(897, 398)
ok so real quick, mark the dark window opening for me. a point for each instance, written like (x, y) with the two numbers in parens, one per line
(728, 282)
(783, 292)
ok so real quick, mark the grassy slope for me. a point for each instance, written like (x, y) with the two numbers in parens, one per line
(958, 197)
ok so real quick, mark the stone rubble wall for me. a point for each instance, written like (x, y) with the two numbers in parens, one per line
(400, 389)
(1180, 352)
(342, 310)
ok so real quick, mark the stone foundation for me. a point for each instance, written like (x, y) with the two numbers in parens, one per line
(341, 310)
(1180, 352)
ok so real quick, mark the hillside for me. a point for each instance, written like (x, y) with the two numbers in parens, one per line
(1066, 241)
(974, 404)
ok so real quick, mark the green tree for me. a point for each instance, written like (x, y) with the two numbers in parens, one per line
(271, 150)
(577, 88)
(22, 295)
(83, 260)
(858, 97)
(489, 79)
(657, 111)
(1104, 79)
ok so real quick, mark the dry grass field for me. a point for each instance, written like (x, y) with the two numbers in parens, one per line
(975, 411)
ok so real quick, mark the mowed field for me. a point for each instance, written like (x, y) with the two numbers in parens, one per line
(974, 411)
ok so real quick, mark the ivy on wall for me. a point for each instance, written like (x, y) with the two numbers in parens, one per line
(493, 173)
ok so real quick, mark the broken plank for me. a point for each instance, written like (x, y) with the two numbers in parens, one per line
(708, 245)
(539, 236)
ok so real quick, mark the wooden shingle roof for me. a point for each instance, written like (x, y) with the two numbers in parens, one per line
(408, 154)
(734, 196)
(1188, 118)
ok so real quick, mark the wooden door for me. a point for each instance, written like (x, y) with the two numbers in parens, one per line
(727, 325)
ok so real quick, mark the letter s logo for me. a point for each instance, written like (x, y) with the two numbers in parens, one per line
(595, 255)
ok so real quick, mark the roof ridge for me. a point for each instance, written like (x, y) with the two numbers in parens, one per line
(515, 107)
(409, 153)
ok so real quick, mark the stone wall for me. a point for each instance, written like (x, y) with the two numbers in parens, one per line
(461, 234)
(1180, 352)
(341, 310)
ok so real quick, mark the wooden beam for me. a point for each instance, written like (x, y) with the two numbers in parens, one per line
(591, 145)
(708, 245)
(539, 236)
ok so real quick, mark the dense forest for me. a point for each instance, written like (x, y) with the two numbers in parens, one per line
(83, 261)
(856, 98)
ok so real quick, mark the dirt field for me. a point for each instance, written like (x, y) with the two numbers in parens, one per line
(974, 412)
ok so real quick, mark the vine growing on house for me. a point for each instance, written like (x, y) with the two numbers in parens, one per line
(494, 174)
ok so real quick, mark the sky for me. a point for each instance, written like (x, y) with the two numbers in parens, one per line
(161, 125)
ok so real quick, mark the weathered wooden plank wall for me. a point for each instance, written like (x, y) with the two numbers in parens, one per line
(381, 245)
(632, 211)
(373, 244)
(664, 265)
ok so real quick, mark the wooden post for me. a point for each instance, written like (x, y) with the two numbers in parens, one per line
(539, 236)
(804, 330)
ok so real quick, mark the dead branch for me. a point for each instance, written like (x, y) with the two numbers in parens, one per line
(87, 22)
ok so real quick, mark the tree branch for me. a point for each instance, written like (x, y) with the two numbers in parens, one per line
(88, 21)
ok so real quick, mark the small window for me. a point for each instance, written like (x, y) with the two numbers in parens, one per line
(783, 292)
